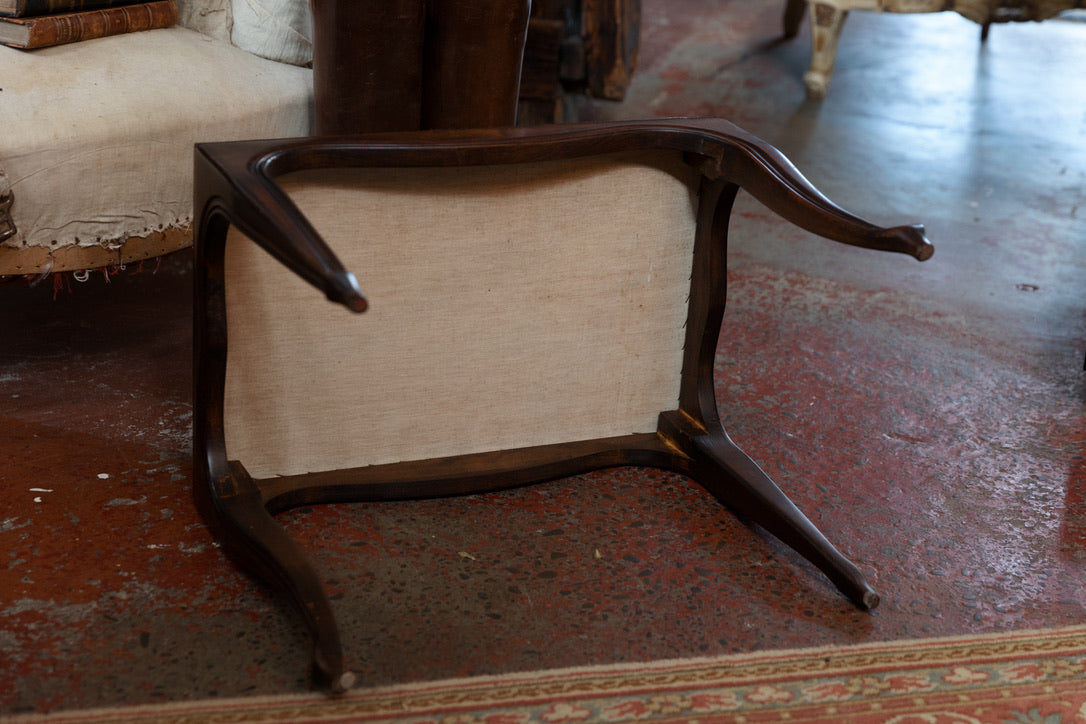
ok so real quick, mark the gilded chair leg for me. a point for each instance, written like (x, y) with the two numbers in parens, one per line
(729, 474)
(258, 544)
(827, 20)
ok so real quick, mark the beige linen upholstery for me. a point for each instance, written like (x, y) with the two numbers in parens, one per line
(509, 306)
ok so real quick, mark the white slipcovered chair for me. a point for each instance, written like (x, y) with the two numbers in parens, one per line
(96, 146)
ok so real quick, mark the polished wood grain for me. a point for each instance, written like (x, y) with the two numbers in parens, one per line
(472, 65)
(403, 65)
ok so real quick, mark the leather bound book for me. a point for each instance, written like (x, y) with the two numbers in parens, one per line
(27, 8)
(47, 30)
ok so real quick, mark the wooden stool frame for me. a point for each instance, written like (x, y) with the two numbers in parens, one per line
(235, 185)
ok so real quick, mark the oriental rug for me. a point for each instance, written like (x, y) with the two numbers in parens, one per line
(1017, 678)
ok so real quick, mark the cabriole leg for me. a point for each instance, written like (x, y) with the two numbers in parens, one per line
(722, 468)
(259, 545)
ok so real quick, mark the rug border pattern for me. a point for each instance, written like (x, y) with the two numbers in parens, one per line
(1016, 673)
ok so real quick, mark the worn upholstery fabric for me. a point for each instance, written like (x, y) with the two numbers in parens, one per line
(278, 30)
(509, 306)
(97, 136)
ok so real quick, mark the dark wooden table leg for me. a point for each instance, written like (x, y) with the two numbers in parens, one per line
(474, 53)
(367, 65)
(794, 10)
(404, 65)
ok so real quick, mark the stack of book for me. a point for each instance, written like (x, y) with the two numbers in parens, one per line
(31, 24)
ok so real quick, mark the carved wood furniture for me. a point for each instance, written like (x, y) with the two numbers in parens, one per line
(828, 18)
(501, 345)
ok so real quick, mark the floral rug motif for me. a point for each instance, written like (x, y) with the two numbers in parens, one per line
(1013, 678)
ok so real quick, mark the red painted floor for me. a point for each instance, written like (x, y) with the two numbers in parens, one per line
(930, 418)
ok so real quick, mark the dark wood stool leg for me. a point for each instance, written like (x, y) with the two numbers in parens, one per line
(258, 544)
(727, 472)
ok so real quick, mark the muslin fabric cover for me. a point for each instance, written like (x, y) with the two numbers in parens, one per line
(98, 136)
(510, 306)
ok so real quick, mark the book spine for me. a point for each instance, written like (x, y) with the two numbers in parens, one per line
(73, 27)
(28, 8)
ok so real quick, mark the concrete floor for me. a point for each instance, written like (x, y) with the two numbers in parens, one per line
(930, 418)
